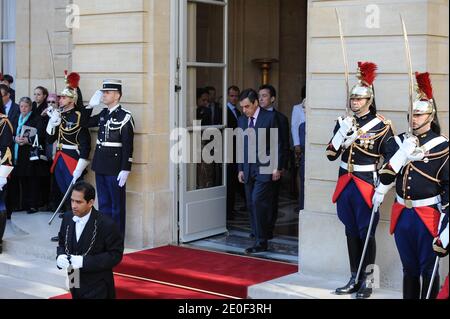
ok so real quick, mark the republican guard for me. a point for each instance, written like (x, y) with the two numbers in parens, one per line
(73, 141)
(360, 140)
(418, 167)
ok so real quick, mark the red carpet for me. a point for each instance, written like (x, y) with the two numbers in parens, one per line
(216, 275)
(127, 288)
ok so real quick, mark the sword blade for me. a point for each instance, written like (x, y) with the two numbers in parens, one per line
(345, 57)
(53, 62)
(410, 74)
(62, 202)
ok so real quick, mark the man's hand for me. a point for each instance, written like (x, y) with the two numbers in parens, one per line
(81, 166)
(62, 262)
(96, 99)
(276, 175)
(54, 121)
(77, 262)
(439, 249)
(122, 178)
(346, 125)
(241, 177)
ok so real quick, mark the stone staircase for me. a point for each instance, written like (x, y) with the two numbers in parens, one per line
(27, 265)
(300, 286)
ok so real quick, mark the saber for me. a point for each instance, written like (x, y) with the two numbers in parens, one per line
(53, 62)
(62, 202)
(372, 219)
(344, 54)
(411, 77)
(436, 265)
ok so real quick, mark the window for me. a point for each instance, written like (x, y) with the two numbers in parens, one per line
(8, 37)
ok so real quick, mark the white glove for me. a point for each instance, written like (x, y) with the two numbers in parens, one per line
(122, 178)
(77, 262)
(62, 262)
(96, 99)
(3, 182)
(351, 139)
(54, 121)
(407, 148)
(81, 166)
(380, 192)
(345, 126)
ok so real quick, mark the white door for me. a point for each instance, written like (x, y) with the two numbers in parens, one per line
(202, 63)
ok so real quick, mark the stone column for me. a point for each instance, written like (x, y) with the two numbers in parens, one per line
(130, 40)
(373, 33)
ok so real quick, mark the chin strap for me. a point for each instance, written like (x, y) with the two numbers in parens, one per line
(428, 121)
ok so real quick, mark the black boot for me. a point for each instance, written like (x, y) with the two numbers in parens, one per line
(354, 253)
(426, 285)
(3, 217)
(411, 287)
(366, 277)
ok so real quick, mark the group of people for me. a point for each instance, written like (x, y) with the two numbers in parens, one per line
(374, 160)
(50, 137)
(209, 112)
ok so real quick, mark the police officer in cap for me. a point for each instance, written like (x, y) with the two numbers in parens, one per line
(113, 155)
(417, 165)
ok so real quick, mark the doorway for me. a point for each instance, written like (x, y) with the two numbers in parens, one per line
(219, 40)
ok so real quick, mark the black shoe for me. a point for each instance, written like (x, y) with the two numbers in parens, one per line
(349, 288)
(32, 211)
(364, 292)
(55, 239)
(1, 248)
(256, 249)
(270, 236)
(411, 287)
(61, 215)
(252, 236)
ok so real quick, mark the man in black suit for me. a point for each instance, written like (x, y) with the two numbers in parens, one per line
(90, 246)
(11, 109)
(255, 171)
(267, 99)
(232, 168)
(214, 106)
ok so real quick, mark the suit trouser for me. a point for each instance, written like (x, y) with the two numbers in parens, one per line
(259, 202)
(275, 201)
(232, 185)
(112, 199)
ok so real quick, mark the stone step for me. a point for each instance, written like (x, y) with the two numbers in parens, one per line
(32, 269)
(14, 288)
(299, 286)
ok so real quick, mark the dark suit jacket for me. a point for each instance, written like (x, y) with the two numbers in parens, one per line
(96, 276)
(284, 137)
(266, 120)
(14, 113)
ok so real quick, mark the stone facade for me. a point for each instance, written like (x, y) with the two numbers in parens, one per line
(131, 40)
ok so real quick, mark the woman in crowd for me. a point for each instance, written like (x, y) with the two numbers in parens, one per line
(28, 135)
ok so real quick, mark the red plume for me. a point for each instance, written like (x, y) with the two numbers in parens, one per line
(424, 83)
(368, 72)
(73, 80)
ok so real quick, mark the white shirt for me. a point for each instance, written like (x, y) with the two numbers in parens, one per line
(8, 107)
(80, 223)
(232, 109)
(298, 118)
(255, 117)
